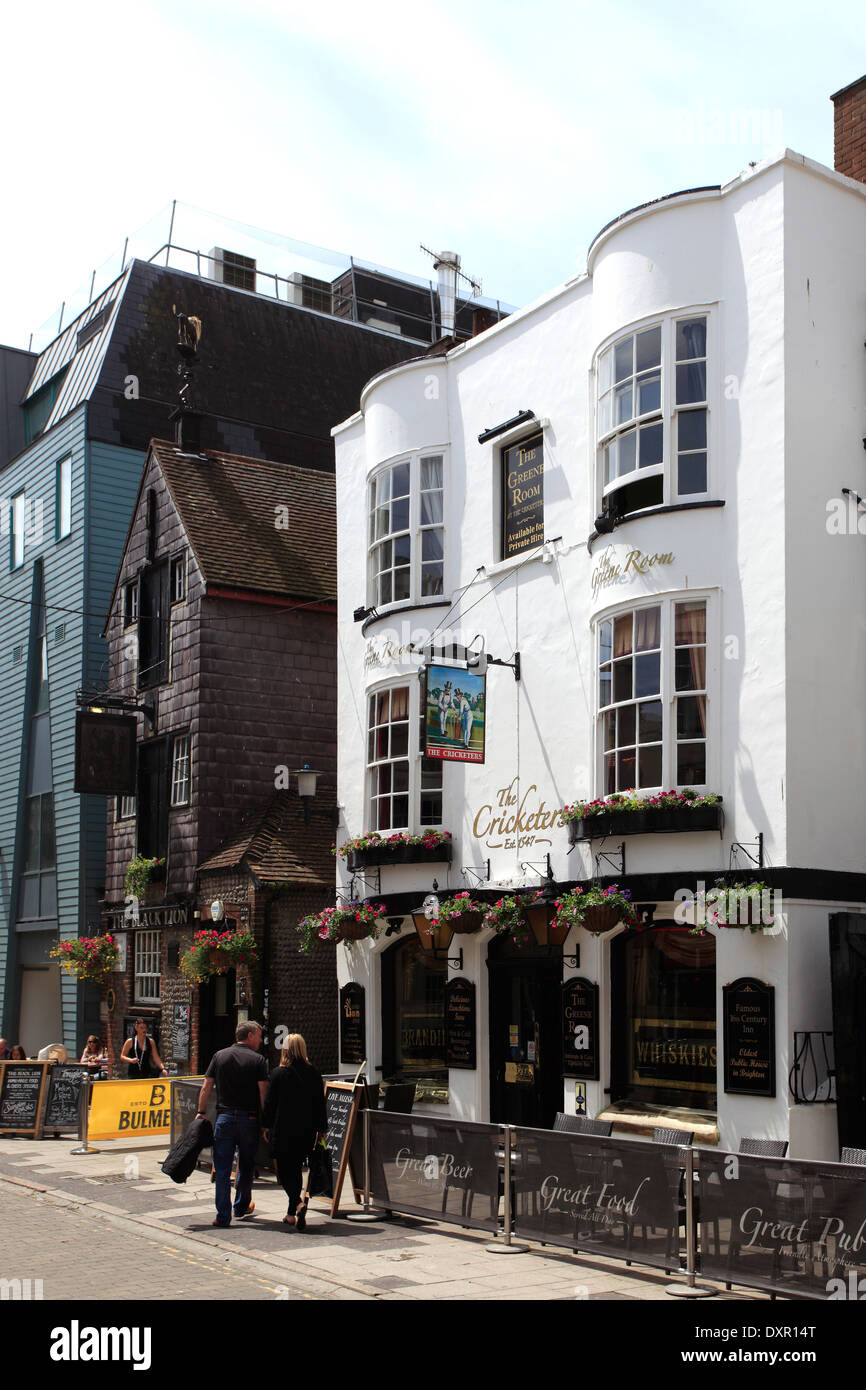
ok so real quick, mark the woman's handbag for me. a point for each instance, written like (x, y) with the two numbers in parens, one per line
(320, 1182)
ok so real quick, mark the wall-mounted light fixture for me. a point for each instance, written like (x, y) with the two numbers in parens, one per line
(307, 776)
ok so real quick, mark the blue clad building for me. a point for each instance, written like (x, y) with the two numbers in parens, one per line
(283, 356)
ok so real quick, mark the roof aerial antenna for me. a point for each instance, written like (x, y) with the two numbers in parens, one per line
(447, 263)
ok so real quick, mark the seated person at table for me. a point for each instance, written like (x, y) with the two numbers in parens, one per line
(18, 1054)
(94, 1054)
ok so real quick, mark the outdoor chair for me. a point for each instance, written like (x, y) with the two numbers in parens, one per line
(581, 1124)
(764, 1148)
(399, 1098)
(673, 1136)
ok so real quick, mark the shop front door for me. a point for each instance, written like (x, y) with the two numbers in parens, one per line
(848, 980)
(525, 1044)
(217, 1017)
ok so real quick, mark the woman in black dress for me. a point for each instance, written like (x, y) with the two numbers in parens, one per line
(141, 1055)
(294, 1118)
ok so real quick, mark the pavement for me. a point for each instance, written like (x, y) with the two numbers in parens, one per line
(110, 1225)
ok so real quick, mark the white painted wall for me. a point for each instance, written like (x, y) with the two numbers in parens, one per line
(785, 652)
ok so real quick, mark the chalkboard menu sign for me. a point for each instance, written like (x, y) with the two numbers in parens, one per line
(750, 1038)
(22, 1085)
(180, 1033)
(65, 1080)
(460, 1024)
(522, 496)
(353, 1024)
(342, 1103)
(580, 1029)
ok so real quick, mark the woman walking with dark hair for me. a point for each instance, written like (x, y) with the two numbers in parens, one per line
(294, 1119)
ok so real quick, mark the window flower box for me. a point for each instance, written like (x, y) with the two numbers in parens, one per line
(430, 847)
(668, 813)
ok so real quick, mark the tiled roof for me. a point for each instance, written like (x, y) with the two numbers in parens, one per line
(279, 847)
(254, 524)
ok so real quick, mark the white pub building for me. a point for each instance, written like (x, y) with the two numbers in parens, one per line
(623, 528)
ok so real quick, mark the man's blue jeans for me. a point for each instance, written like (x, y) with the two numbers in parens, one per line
(234, 1131)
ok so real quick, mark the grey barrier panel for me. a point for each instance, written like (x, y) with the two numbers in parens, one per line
(789, 1226)
(442, 1169)
(184, 1104)
(620, 1198)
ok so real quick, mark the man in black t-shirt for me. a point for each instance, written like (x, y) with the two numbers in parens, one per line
(240, 1076)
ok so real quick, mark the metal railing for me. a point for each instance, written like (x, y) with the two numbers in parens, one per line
(791, 1227)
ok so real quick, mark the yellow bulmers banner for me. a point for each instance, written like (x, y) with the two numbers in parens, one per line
(119, 1109)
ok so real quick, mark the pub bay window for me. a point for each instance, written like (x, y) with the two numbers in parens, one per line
(652, 416)
(653, 697)
(406, 531)
(404, 789)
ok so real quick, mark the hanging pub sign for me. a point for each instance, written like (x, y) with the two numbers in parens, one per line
(750, 1038)
(460, 1024)
(455, 713)
(522, 496)
(105, 756)
(353, 1024)
(580, 1029)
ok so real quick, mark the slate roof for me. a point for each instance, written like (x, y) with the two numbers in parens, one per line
(229, 506)
(278, 846)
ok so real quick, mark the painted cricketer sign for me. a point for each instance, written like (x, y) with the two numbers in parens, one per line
(455, 712)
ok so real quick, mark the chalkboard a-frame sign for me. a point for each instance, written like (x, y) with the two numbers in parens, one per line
(22, 1088)
(64, 1096)
(342, 1104)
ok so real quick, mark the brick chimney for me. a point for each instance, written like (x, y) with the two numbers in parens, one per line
(849, 130)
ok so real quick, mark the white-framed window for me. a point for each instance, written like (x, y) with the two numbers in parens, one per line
(653, 415)
(404, 789)
(653, 696)
(178, 578)
(406, 545)
(64, 497)
(130, 603)
(19, 511)
(180, 776)
(147, 973)
(125, 808)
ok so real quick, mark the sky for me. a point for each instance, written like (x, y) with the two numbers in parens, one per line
(508, 132)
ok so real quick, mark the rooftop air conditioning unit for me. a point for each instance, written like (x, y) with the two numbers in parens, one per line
(230, 268)
(309, 293)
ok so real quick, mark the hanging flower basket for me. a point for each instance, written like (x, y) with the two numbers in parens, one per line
(87, 957)
(352, 921)
(215, 953)
(600, 919)
(140, 873)
(462, 913)
(596, 909)
(739, 905)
